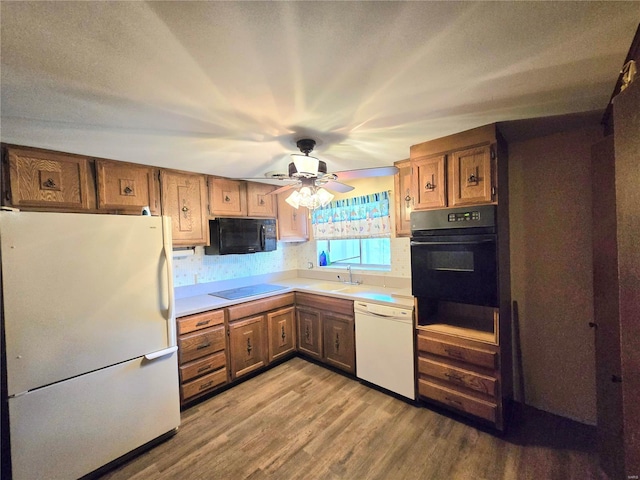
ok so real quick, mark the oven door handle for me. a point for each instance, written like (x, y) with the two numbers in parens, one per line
(472, 242)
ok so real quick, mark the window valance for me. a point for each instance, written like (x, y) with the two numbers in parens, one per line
(366, 216)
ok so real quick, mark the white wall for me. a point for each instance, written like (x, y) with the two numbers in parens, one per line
(551, 269)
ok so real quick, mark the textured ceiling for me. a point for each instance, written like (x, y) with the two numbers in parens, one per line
(228, 87)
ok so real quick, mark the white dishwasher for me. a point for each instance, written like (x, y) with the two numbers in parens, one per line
(384, 347)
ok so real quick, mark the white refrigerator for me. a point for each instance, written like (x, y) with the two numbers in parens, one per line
(90, 341)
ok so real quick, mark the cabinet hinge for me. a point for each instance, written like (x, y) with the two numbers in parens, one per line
(493, 191)
(493, 154)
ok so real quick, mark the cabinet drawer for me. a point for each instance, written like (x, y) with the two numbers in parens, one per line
(199, 321)
(476, 356)
(201, 343)
(458, 400)
(458, 377)
(203, 366)
(203, 384)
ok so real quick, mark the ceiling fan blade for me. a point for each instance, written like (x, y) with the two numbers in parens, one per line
(367, 172)
(283, 189)
(338, 187)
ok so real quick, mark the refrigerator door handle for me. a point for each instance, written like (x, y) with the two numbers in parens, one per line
(168, 253)
(161, 353)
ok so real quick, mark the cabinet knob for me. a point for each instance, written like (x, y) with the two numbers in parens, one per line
(283, 335)
(337, 343)
(249, 347)
(472, 178)
(226, 198)
(49, 183)
(429, 186)
(128, 190)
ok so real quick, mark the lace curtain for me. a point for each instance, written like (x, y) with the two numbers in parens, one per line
(359, 217)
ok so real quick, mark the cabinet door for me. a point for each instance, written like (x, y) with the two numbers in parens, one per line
(227, 197)
(49, 180)
(246, 341)
(127, 187)
(292, 222)
(260, 202)
(184, 200)
(339, 342)
(309, 332)
(428, 180)
(470, 173)
(403, 198)
(282, 333)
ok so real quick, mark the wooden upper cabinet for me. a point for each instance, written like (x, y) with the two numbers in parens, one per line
(403, 198)
(428, 180)
(48, 180)
(292, 222)
(470, 173)
(184, 199)
(458, 170)
(227, 197)
(127, 187)
(260, 202)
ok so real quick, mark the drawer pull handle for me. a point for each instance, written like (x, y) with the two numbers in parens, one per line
(203, 322)
(206, 385)
(204, 345)
(49, 183)
(204, 369)
(453, 401)
(454, 353)
(454, 377)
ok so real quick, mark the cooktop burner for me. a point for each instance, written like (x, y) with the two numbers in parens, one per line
(249, 291)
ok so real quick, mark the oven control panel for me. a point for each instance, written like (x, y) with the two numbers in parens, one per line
(464, 216)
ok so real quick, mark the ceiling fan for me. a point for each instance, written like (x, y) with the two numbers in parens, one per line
(310, 175)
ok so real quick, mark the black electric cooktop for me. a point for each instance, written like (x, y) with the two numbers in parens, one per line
(241, 292)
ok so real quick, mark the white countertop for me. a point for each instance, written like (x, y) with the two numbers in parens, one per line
(201, 302)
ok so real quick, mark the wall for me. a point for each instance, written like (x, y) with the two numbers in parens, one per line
(551, 269)
(201, 268)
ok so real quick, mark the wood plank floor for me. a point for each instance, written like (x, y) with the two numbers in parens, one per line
(302, 421)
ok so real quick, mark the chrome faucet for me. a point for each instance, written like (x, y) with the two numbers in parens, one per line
(350, 281)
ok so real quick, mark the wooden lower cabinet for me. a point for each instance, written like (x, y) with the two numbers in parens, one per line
(247, 345)
(461, 374)
(326, 330)
(260, 331)
(309, 332)
(338, 337)
(281, 326)
(202, 354)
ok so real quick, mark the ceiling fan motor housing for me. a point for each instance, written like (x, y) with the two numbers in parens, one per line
(306, 145)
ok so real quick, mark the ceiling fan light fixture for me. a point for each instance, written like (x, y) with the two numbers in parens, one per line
(310, 197)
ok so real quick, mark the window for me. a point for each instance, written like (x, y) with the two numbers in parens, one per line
(364, 252)
(354, 231)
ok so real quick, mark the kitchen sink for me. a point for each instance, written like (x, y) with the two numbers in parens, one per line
(336, 287)
(327, 286)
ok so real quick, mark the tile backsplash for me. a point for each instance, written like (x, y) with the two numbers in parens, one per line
(201, 268)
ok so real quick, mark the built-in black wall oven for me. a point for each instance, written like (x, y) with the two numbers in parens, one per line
(454, 255)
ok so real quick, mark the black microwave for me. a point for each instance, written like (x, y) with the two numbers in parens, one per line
(241, 235)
